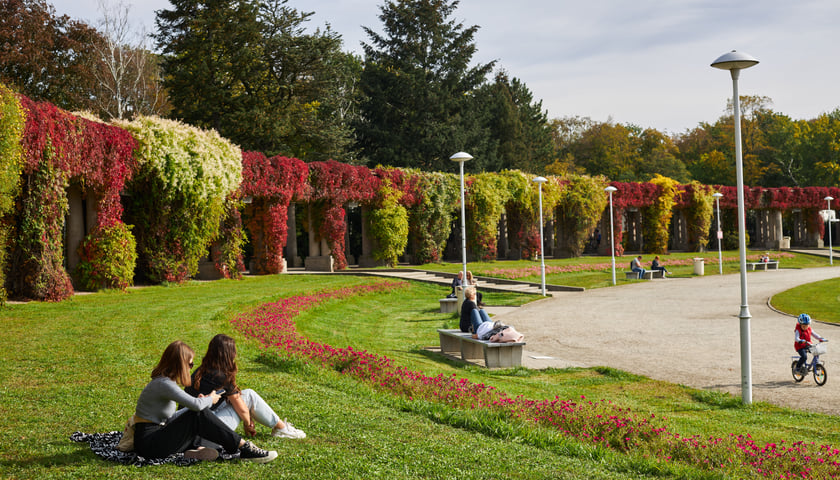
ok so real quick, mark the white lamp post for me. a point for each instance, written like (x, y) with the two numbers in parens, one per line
(717, 196)
(735, 62)
(540, 181)
(610, 190)
(462, 157)
(830, 250)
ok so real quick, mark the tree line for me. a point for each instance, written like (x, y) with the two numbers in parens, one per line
(256, 72)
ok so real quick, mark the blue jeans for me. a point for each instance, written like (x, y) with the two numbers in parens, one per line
(260, 411)
(640, 271)
(477, 317)
(803, 357)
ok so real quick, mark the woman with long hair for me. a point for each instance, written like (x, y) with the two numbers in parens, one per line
(218, 371)
(159, 431)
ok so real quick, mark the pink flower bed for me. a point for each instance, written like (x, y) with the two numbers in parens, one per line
(515, 273)
(597, 422)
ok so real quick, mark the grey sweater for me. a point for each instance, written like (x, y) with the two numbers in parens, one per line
(158, 400)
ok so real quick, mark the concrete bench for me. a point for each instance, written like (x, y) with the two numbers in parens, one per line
(774, 265)
(448, 305)
(495, 355)
(649, 275)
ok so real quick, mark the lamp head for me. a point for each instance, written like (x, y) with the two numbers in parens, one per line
(540, 180)
(734, 60)
(717, 194)
(461, 157)
(610, 189)
(828, 198)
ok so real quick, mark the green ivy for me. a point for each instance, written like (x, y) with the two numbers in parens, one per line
(107, 256)
(12, 121)
(698, 214)
(579, 207)
(488, 194)
(178, 196)
(431, 218)
(389, 224)
(657, 217)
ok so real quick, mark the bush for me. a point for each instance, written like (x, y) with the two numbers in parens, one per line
(108, 256)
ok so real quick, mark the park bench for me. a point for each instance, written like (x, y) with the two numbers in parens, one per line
(448, 305)
(649, 275)
(495, 355)
(773, 265)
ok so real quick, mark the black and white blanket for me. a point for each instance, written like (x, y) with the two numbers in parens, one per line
(105, 445)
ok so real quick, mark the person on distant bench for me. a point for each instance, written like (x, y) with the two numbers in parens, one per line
(472, 282)
(636, 266)
(654, 265)
(458, 281)
(471, 316)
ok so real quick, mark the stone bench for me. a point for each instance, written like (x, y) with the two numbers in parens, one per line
(774, 265)
(495, 355)
(649, 275)
(448, 305)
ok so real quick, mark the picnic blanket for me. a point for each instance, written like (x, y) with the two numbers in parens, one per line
(105, 446)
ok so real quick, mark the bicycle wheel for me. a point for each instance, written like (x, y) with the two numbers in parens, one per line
(797, 375)
(820, 376)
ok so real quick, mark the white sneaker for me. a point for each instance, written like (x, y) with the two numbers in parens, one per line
(202, 453)
(289, 431)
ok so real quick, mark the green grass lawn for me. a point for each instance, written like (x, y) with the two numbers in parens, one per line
(80, 365)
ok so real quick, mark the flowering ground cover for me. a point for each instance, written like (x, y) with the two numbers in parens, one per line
(603, 424)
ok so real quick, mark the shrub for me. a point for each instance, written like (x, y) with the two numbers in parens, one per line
(107, 258)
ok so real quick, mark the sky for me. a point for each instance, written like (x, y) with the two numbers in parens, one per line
(642, 62)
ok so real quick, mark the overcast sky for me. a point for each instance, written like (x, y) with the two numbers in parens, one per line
(644, 62)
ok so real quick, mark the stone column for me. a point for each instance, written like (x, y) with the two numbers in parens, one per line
(319, 259)
(502, 247)
(366, 260)
(292, 259)
(75, 226)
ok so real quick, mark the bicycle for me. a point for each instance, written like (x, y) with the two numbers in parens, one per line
(816, 365)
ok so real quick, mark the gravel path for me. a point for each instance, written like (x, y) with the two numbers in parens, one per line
(683, 330)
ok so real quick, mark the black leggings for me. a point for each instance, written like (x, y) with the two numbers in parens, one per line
(179, 434)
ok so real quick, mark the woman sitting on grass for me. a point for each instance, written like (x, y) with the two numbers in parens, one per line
(218, 371)
(160, 432)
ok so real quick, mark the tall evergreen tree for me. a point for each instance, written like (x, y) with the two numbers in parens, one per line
(519, 125)
(250, 70)
(418, 85)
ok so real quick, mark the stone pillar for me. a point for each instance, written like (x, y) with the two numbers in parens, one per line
(634, 230)
(502, 248)
(319, 259)
(366, 260)
(679, 228)
(75, 226)
(774, 228)
(292, 259)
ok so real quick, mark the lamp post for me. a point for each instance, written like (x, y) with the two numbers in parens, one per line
(717, 196)
(735, 62)
(540, 181)
(462, 157)
(610, 190)
(830, 250)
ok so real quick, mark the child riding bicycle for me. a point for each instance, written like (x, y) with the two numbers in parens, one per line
(802, 338)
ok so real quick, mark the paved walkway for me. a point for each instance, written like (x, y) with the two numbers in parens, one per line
(682, 330)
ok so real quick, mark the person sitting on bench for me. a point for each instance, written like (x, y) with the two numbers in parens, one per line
(636, 266)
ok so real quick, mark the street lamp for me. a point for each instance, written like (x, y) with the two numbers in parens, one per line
(717, 196)
(829, 215)
(540, 181)
(462, 157)
(734, 62)
(610, 190)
